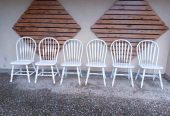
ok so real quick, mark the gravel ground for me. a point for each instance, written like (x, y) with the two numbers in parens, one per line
(46, 99)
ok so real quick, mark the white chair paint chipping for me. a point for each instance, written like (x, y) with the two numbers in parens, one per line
(72, 51)
(96, 54)
(121, 52)
(48, 53)
(148, 53)
(25, 52)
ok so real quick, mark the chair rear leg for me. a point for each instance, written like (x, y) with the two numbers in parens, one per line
(78, 74)
(12, 73)
(143, 76)
(137, 74)
(52, 72)
(111, 76)
(131, 76)
(61, 81)
(58, 71)
(36, 75)
(88, 72)
(104, 76)
(34, 67)
(114, 76)
(160, 78)
(28, 75)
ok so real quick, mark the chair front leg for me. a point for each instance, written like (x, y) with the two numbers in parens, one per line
(88, 73)
(53, 77)
(137, 74)
(131, 76)
(143, 76)
(36, 75)
(114, 76)
(104, 76)
(61, 81)
(160, 78)
(12, 73)
(28, 75)
(78, 74)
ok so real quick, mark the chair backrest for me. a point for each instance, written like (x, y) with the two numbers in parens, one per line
(72, 50)
(148, 52)
(96, 51)
(25, 48)
(121, 51)
(49, 48)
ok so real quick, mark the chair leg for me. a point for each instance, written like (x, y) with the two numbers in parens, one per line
(104, 76)
(36, 75)
(81, 75)
(114, 76)
(143, 76)
(137, 74)
(78, 74)
(61, 81)
(131, 76)
(111, 76)
(154, 75)
(28, 75)
(52, 72)
(12, 73)
(88, 72)
(34, 67)
(160, 77)
(66, 71)
(58, 71)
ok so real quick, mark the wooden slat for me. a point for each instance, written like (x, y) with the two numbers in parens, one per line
(122, 7)
(149, 13)
(33, 29)
(46, 7)
(46, 34)
(31, 16)
(47, 25)
(121, 31)
(57, 21)
(129, 22)
(129, 36)
(134, 17)
(128, 2)
(48, 12)
(127, 26)
(49, 3)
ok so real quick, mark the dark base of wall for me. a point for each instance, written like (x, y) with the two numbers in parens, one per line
(165, 76)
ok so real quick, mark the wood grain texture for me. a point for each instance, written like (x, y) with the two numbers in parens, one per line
(46, 18)
(133, 20)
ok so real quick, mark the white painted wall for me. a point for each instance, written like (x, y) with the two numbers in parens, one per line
(85, 12)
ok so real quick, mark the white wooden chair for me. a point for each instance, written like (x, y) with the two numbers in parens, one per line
(48, 53)
(148, 53)
(96, 54)
(72, 51)
(121, 52)
(25, 52)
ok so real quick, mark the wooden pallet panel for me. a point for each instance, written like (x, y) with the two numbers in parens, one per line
(47, 18)
(133, 20)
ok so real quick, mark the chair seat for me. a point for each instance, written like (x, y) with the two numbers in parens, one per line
(150, 66)
(96, 64)
(71, 63)
(46, 63)
(22, 62)
(123, 65)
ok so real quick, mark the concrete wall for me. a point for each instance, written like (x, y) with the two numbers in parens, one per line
(168, 66)
(85, 12)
